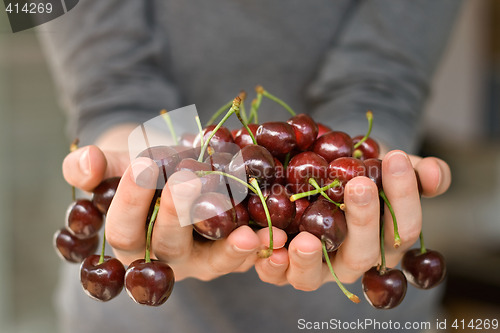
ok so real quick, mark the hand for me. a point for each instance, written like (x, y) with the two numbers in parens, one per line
(125, 222)
(301, 265)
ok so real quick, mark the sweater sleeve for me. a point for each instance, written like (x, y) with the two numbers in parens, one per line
(109, 63)
(383, 60)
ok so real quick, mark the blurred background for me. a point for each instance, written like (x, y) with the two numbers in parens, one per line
(462, 127)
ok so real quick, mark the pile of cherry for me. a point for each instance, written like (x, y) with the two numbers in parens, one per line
(296, 174)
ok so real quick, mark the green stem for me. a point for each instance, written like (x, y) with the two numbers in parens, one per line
(200, 129)
(170, 126)
(287, 160)
(147, 256)
(315, 184)
(298, 196)
(244, 123)
(101, 258)
(255, 108)
(268, 252)
(219, 112)
(397, 238)
(422, 245)
(73, 193)
(234, 108)
(369, 116)
(279, 101)
(243, 96)
(346, 292)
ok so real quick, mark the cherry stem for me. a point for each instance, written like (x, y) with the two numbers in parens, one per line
(369, 116)
(422, 245)
(221, 173)
(72, 147)
(219, 112)
(382, 267)
(267, 252)
(170, 126)
(243, 96)
(234, 108)
(346, 292)
(287, 160)
(255, 108)
(315, 184)
(397, 239)
(200, 129)
(147, 256)
(265, 93)
(240, 118)
(301, 195)
(101, 258)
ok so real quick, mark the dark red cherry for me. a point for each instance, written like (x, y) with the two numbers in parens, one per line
(103, 194)
(279, 172)
(102, 281)
(343, 169)
(242, 216)
(306, 130)
(326, 221)
(300, 207)
(384, 290)
(322, 129)
(186, 152)
(166, 158)
(242, 138)
(187, 140)
(278, 137)
(209, 183)
(213, 215)
(333, 145)
(74, 249)
(304, 166)
(149, 283)
(374, 171)
(83, 219)
(368, 149)
(281, 209)
(222, 141)
(256, 161)
(424, 270)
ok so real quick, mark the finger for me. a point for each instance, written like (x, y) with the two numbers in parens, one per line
(434, 175)
(400, 186)
(125, 222)
(273, 269)
(360, 250)
(173, 233)
(279, 237)
(305, 267)
(226, 255)
(86, 167)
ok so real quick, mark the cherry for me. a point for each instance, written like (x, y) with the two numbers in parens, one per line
(300, 207)
(374, 171)
(306, 130)
(326, 221)
(83, 219)
(279, 172)
(281, 209)
(222, 140)
(213, 215)
(103, 194)
(367, 149)
(257, 162)
(333, 145)
(384, 289)
(102, 281)
(424, 270)
(304, 166)
(74, 249)
(187, 140)
(343, 169)
(149, 283)
(322, 129)
(278, 137)
(186, 152)
(209, 183)
(166, 158)
(242, 216)
(242, 138)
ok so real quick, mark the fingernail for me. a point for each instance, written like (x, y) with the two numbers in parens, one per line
(307, 255)
(242, 251)
(84, 162)
(361, 195)
(398, 164)
(276, 265)
(144, 173)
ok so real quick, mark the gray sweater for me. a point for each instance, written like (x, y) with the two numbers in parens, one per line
(119, 61)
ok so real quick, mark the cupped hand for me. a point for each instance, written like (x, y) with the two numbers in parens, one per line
(302, 266)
